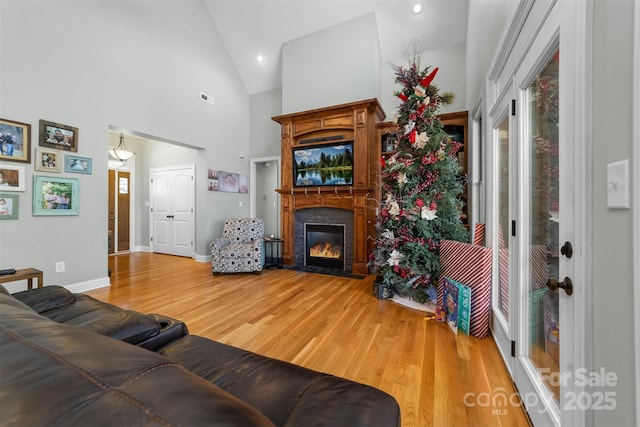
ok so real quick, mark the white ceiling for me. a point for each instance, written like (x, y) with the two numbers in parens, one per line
(252, 27)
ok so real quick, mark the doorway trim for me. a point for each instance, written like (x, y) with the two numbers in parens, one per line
(132, 206)
(252, 183)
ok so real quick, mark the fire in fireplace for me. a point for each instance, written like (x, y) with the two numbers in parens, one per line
(324, 245)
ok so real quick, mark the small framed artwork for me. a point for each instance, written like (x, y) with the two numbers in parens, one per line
(213, 184)
(55, 196)
(8, 206)
(228, 181)
(77, 164)
(12, 178)
(58, 136)
(243, 184)
(15, 141)
(48, 160)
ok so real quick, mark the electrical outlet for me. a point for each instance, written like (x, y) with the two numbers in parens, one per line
(59, 267)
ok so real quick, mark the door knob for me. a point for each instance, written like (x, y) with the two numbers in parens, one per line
(567, 285)
(169, 216)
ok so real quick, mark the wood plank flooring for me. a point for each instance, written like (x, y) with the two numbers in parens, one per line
(330, 324)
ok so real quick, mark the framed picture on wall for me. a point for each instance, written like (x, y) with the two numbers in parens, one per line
(8, 206)
(212, 181)
(15, 141)
(243, 184)
(12, 178)
(77, 164)
(55, 196)
(228, 181)
(48, 160)
(58, 136)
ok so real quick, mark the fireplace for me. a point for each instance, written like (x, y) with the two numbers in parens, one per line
(324, 217)
(352, 205)
(324, 245)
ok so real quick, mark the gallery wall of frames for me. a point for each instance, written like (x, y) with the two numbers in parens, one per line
(54, 192)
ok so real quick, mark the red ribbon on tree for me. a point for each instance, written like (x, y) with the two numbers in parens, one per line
(427, 80)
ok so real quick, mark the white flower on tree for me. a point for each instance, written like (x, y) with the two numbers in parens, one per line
(394, 258)
(428, 214)
(422, 140)
(387, 235)
(394, 208)
(409, 127)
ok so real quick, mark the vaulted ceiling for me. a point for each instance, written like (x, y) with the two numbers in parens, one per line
(260, 27)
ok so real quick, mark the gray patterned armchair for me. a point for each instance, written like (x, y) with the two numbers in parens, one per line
(241, 249)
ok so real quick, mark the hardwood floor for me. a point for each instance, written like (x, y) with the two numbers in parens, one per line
(329, 324)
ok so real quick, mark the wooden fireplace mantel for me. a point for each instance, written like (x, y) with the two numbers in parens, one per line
(353, 122)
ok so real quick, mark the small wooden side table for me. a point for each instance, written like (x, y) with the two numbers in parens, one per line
(24, 274)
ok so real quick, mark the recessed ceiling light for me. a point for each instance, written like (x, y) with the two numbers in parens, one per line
(417, 8)
(260, 58)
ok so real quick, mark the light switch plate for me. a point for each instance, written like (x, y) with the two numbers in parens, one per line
(618, 185)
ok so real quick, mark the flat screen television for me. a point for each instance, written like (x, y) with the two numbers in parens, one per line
(326, 165)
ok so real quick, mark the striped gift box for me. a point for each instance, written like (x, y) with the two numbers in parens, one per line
(503, 273)
(471, 266)
(479, 230)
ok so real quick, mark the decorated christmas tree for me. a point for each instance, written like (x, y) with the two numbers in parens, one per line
(420, 188)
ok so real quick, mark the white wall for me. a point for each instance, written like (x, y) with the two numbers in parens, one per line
(333, 66)
(486, 21)
(265, 133)
(132, 65)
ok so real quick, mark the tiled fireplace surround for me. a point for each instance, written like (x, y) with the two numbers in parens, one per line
(323, 216)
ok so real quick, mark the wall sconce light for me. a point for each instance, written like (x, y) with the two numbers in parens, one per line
(121, 152)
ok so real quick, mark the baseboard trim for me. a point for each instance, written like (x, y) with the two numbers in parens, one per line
(89, 285)
(203, 258)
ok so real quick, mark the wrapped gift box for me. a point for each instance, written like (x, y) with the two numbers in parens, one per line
(470, 265)
(382, 291)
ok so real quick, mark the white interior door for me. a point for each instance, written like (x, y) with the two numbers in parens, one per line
(172, 211)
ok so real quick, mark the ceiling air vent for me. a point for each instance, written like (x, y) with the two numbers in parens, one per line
(206, 98)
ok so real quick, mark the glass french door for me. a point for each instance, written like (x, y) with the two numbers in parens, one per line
(538, 264)
(545, 362)
(538, 357)
(543, 249)
(504, 144)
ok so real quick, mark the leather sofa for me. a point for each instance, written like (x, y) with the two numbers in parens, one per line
(69, 372)
(58, 304)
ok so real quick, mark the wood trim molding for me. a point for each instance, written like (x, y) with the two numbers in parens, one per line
(354, 122)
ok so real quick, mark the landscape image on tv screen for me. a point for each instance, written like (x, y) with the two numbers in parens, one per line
(325, 165)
